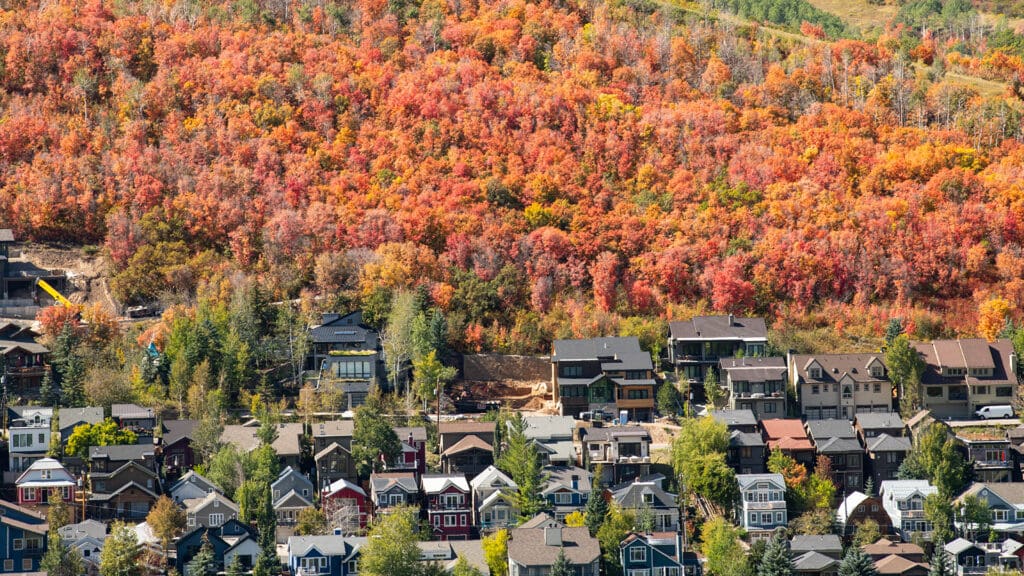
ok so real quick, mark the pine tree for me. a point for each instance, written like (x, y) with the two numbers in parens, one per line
(940, 563)
(60, 559)
(235, 568)
(561, 566)
(776, 560)
(857, 563)
(521, 461)
(597, 507)
(204, 563)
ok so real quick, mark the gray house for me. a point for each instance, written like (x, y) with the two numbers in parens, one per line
(191, 486)
(755, 384)
(291, 492)
(389, 489)
(212, 511)
(747, 453)
(639, 495)
(532, 550)
(885, 454)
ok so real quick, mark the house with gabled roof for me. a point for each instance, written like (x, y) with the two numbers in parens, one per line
(624, 451)
(348, 354)
(128, 492)
(466, 447)
(612, 374)
(532, 550)
(990, 454)
(757, 384)
(230, 539)
(346, 506)
(413, 456)
(69, 418)
(978, 557)
(897, 558)
(28, 435)
(86, 528)
(871, 424)
(23, 538)
(324, 555)
(567, 489)
(553, 437)
(388, 489)
(696, 345)
(885, 455)
(837, 440)
(110, 458)
(190, 486)
(89, 549)
(211, 511)
(43, 477)
(963, 375)
(858, 507)
(903, 500)
(176, 443)
(493, 501)
(737, 420)
(747, 452)
(648, 494)
(816, 555)
(25, 359)
(790, 437)
(290, 493)
(1005, 501)
(660, 553)
(448, 501)
(763, 508)
(287, 445)
(841, 385)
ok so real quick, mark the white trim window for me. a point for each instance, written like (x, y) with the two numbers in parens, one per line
(638, 554)
(216, 520)
(563, 498)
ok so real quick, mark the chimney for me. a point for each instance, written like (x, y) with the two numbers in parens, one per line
(732, 319)
(575, 481)
(410, 439)
(552, 536)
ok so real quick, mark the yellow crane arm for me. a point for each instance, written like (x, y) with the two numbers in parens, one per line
(53, 292)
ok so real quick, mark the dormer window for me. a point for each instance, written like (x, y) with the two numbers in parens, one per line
(814, 372)
(648, 498)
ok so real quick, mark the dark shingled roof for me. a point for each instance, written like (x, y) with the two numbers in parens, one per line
(617, 353)
(718, 327)
(751, 369)
(835, 366)
(527, 548)
(968, 353)
(744, 417)
(820, 430)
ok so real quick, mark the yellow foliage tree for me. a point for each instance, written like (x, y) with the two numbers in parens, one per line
(992, 315)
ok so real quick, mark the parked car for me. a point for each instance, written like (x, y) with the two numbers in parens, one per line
(996, 411)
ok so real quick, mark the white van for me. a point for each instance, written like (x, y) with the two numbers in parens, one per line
(997, 411)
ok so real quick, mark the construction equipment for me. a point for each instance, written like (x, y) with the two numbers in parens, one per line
(53, 293)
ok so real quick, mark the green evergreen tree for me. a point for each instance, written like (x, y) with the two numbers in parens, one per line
(670, 400)
(561, 566)
(204, 563)
(521, 462)
(893, 329)
(776, 559)
(235, 568)
(60, 559)
(940, 564)
(597, 506)
(857, 563)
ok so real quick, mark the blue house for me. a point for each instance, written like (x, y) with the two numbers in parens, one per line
(23, 537)
(227, 540)
(328, 555)
(567, 490)
(658, 554)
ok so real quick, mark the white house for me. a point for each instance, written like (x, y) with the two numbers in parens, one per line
(903, 500)
(493, 506)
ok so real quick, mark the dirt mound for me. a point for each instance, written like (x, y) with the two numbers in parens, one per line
(86, 271)
(492, 367)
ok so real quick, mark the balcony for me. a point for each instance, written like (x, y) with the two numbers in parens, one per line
(992, 464)
(764, 505)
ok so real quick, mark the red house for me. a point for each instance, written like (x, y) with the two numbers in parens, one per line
(346, 506)
(448, 506)
(40, 479)
(414, 450)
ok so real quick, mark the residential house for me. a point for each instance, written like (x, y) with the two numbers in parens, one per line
(567, 490)
(757, 384)
(858, 507)
(764, 504)
(448, 505)
(389, 489)
(789, 437)
(346, 506)
(23, 538)
(290, 493)
(29, 438)
(738, 420)
(623, 450)
(127, 493)
(885, 455)
(978, 558)
(610, 374)
(837, 440)
(25, 359)
(533, 549)
(348, 354)
(747, 453)
(176, 444)
(70, 418)
(1005, 501)
(553, 437)
(696, 345)
(134, 417)
(648, 494)
(43, 477)
(872, 424)
(210, 511)
(335, 462)
(466, 447)
(658, 553)
(333, 432)
(903, 500)
(963, 375)
(817, 555)
(413, 457)
(990, 454)
(89, 550)
(110, 458)
(84, 529)
(324, 555)
(832, 386)
(229, 540)
(191, 486)
(920, 422)
(287, 445)
(897, 558)
(493, 500)
(447, 553)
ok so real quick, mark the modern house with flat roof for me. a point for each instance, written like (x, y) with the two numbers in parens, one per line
(696, 345)
(610, 374)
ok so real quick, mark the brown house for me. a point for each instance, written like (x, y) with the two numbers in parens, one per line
(25, 360)
(126, 493)
(893, 558)
(858, 507)
(963, 375)
(466, 447)
(334, 463)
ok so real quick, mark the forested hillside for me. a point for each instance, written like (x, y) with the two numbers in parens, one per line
(535, 169)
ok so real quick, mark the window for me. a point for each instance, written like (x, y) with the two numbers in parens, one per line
(277, 494)
(44, 474)
(642, 572)
(637, 394)
(563, 498)
(753, 518)
(638, 554)
(933, 391)
(876, 372)
(191, 521)
(815, 389)
(19, 544)
(437, 520)
(770, 407)
(874, 507)
(449, 520)
(878, 388)
(451, 500)
(981, 390)
(26, 564)
(999, 515)
(1004, 391)
(572, 371)
(28, 494)
(8, 565)
(353, 567)
(814, 372)
(216, 519)
(636, 374)
(766, 519)
(394, 499)
(778, 518)
(847, 393)
(1020, 514)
